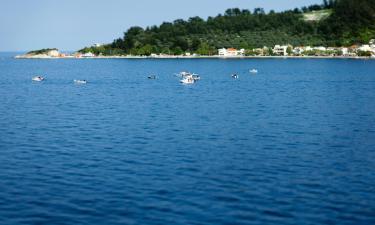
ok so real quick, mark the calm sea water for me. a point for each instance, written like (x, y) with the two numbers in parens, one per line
(293, 144)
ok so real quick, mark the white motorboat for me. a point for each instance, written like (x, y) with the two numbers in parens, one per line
(253, 71)
(80, 81)
(152, 77)
(37, 78)
(187, 80)
(234, 76)
(188, 74)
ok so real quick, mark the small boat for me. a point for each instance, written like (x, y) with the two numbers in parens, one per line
(152, 77)
(253, 71)
(183, 74)
(234, 76)
(80, 81)
(188, 74)
(187, 80)
(37, 78)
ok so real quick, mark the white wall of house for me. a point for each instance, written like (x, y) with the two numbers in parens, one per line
(345, 51)
(222, 51)
(280, 50)
(320, 48)
(365, 48)
(231, 52)
(88, 54)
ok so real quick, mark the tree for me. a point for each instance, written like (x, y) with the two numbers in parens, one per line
(364, 53)
(289, 50)
(205, 49)
(258, 11)
(145, 50)
(195, 44)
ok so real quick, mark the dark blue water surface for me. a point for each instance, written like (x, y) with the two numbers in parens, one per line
(293, 144)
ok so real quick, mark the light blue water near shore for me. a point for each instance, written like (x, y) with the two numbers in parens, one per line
(293, 144)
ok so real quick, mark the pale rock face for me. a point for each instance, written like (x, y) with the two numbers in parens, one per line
(53, 53)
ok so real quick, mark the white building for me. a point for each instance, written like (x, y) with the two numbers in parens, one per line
(280, 50)
(372, 45)
(88, 54)
(298, 50)
(320, 48)
(231, 52)
(345, 51)
(97, 45)
(365, 48)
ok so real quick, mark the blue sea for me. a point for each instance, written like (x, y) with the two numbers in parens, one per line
(293, 144)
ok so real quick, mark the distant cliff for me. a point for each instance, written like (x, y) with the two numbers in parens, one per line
(42, 53)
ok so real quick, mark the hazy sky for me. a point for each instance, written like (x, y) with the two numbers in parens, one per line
(72, 24)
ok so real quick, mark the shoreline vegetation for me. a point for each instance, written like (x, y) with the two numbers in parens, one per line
(333, 29)
(195, 57)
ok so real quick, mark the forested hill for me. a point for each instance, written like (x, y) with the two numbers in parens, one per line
(346, 22)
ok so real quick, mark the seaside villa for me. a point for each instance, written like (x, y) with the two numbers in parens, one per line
(88, 55)
(280, 50)
(365, 48)
(231, 52)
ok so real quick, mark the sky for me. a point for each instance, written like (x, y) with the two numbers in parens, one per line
(72, 24)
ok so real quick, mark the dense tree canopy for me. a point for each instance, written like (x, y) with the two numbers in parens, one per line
(351, 21)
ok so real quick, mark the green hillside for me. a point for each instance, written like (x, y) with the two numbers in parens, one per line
(334, 23)
(41, 51)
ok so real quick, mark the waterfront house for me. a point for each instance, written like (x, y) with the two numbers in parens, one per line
(320, 48)
(231, 52)
(88, 55)
(280, 50)
(344, 51)
(365, 48)
(298, 50)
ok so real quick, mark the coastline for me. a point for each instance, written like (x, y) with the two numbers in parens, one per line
(199, 57)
